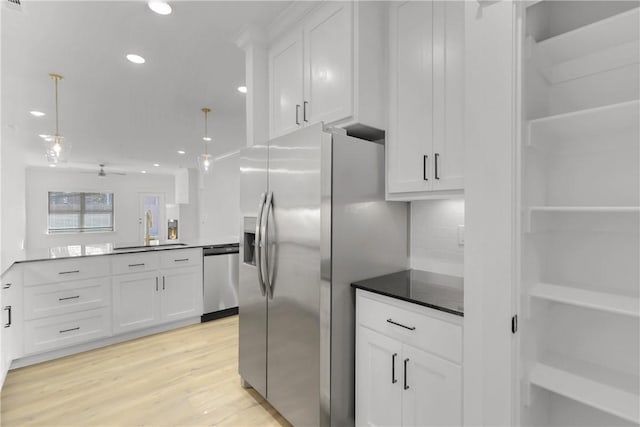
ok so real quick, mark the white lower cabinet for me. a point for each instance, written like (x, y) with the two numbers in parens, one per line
(136, 304)
(181, 293)
(49, 333)
(398, 384)
(378, 389)
(145, 299)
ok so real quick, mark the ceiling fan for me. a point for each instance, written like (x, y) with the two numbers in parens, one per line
(102, 172)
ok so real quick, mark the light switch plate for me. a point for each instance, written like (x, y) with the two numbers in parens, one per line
(461, 235)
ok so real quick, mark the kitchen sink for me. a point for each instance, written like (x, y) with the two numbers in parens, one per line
(163, 246)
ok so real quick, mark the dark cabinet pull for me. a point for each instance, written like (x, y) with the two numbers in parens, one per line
(156, 284)
(8, 324)
(181, 260)
(411, 328)
(304, 111)
(297, 113)
(425, 158)
(69, 272)
(406, 386)
(137, 265)
(77, 328)
(68, 298)
(436, 166)
(163, 283)
(393, 368)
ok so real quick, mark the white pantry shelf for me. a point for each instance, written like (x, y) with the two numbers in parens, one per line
(598, 387)
(615, 119)
(587, 215)
(612, 303)
(604, 34)
(586, 209)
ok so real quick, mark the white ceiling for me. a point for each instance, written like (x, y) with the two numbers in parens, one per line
(112, 111)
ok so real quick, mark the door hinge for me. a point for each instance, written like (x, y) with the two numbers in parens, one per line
(514, 324)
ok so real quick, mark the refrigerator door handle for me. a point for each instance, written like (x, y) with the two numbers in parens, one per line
(265, 242)
(258, 244)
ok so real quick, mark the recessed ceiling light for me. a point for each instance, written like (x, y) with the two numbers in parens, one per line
(181, 152)
(242, 89)
(206, 138)
(36, 113)
(159, 7)
(156, 164)
(136, 59)
(143, 171)
(52, 165)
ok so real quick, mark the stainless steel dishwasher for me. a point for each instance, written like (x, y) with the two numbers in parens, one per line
(220, 281)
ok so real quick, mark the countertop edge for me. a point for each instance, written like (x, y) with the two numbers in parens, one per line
(422, 303)
(26, 259)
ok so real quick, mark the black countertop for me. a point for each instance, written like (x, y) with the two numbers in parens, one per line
(437, 291)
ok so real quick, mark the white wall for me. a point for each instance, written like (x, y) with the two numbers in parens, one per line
(126, 189)
(434, 236)
(12, 192)
(220, 201)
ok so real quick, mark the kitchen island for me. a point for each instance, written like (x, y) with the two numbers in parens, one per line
(68, 299)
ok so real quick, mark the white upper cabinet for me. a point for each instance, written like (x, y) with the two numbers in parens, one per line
(329, 67)
(425, 145)
(328, 53)
(285, 62)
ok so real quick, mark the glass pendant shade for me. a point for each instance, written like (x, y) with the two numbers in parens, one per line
(57, 149)
(205, 162)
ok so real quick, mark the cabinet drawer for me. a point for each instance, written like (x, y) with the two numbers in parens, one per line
(66, 297)
(181, 258)
(134, 263)
(69, 329)
(432, 331)
(65, 269)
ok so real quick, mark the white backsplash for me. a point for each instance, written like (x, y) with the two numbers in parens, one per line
(434, 236)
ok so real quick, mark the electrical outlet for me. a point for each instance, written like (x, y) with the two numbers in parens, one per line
(461, 235)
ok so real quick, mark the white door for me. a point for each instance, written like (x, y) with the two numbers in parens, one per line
(136, 302)
(432, 393)
(285, 63)
(328, 51)
(181, 290)
(409, 150)
(378, 379)
(448, 141)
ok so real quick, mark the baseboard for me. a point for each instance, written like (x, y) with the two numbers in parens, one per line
(219, 314)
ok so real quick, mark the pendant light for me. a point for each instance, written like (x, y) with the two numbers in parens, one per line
(57, 149)
(205, 160)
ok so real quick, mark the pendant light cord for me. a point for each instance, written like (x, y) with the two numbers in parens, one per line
(206, 130)
(55, 78)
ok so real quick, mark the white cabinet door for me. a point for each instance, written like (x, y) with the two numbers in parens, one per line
(286, 70)
(448, 141)
(432, 394)
(410, 159)
(378, 379)
(181, 295)
(136, 304)
(328, 70)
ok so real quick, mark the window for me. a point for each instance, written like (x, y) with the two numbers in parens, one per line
(77, 212)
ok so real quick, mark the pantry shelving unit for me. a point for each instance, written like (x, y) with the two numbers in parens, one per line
(579, 240)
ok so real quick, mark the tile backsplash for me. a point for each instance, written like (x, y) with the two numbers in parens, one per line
(434, 235)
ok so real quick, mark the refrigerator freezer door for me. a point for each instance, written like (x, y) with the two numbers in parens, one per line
(293, 244)
(252, 361)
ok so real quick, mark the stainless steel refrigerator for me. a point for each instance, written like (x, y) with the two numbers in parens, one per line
(314, 220)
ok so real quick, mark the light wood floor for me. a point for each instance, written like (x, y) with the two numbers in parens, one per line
(186, 377)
